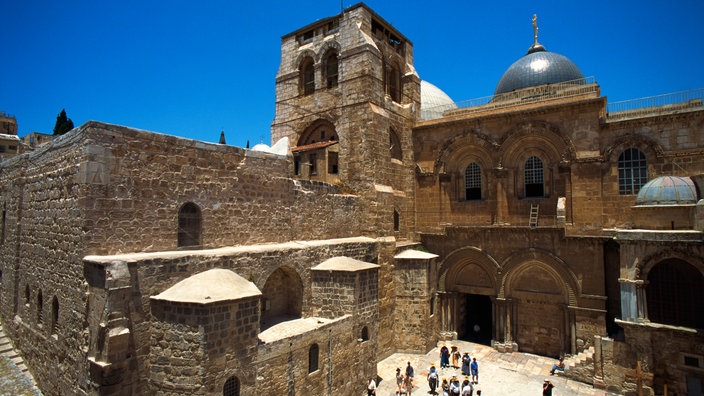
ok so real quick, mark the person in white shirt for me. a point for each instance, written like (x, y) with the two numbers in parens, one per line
(467, 387)
(371, 388)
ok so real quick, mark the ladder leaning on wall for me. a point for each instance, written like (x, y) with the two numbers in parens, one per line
(533, 220)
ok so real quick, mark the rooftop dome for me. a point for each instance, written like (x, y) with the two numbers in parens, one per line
(667, 190)
(538, 67)
(433, 101)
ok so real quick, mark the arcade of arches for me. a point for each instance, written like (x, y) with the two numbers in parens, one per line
(520, 306)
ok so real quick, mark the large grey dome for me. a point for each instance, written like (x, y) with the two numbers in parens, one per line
(433, 101)
(538, 67)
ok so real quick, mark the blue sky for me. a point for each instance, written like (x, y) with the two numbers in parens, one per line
(192, 69)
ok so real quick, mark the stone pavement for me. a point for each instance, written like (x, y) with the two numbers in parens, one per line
(14, 377)
(499, 373)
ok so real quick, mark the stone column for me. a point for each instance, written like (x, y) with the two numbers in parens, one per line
(502, 211)
(641, 300)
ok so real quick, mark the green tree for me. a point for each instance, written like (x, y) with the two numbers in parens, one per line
(63, 123)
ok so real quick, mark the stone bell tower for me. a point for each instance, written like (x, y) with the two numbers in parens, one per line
(347, 95)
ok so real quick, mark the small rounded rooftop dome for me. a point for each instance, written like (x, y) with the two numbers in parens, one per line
(433, 101)
(667, 190)
(538, 67)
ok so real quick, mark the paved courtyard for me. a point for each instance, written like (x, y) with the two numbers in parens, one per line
(499, 373)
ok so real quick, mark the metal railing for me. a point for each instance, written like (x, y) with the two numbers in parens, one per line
(7, 115)
(523, 96)
(654, 105)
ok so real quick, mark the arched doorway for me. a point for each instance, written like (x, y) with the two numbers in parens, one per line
(539, 309)
(282, 297)
(467, 291)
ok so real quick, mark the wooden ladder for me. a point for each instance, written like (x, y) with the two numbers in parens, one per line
(533, 220)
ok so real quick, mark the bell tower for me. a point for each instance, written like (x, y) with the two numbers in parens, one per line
(347, 96)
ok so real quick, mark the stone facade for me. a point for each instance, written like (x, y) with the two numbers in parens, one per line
(513, 224)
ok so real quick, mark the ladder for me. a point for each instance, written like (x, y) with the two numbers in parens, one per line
(533, 220)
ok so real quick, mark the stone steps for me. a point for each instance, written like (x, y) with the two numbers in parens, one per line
(8, 350)
(580, 367)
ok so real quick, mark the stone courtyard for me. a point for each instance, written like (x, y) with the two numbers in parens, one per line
(499, 373)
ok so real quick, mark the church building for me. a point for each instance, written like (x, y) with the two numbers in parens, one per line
(384, 218)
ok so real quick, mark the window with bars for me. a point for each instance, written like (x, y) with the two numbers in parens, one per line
(675, 294)
(231, 387)
(632, 171)
(473, 182)
(189, 225)
(534, 178)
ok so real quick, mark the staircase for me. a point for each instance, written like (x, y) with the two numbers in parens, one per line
(533, 220)
(16, 378)
(7, 350)
(580, 367)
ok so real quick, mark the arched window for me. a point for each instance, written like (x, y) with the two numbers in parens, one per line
(231, 387)
(397, 220)
(331, 69)
(675, 294)
(313, 353)
(394, 86)
(27, 295)
(632, 171)
(54, 314)
(307, 76)
(189, 225)
(365, 334)
(40, 306)
(473, 182)
(395, 145)
(534, 179)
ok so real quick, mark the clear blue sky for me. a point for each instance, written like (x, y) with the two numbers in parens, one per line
(192, 69)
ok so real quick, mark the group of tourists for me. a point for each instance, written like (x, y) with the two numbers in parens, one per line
(452, 357)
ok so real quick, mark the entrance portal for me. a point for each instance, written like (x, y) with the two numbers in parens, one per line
(476, 325)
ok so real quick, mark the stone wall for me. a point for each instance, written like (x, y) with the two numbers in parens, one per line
(40, 261)
(194, 349)
(148, 274)
(104, 189)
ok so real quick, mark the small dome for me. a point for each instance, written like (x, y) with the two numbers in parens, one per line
(667, 190)
(433, 101)
(538, 67)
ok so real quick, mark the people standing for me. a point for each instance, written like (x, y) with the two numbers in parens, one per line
(466, 360)
(444, 357)
(433, 379)
(474, 366)
(455, 355)
(399, 380)
(547, 387)
(445, 387)
(371, 387)
(408, 383)
(409, 370)
(467, 388)
(454, 386)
